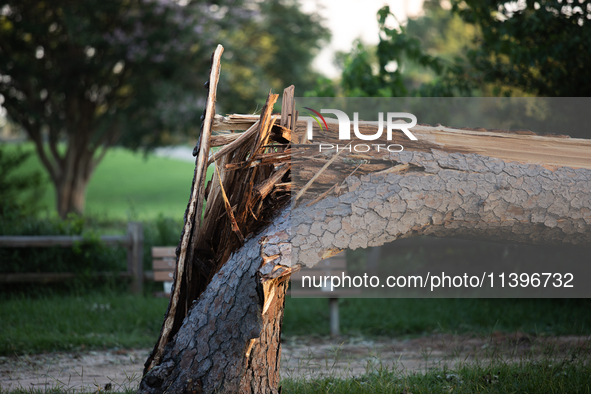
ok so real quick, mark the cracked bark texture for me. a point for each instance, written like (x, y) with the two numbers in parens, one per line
(230, 340)
(452, 195)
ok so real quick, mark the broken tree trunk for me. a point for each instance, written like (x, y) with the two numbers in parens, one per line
(211, 282)
(223, 334)
(229, 340)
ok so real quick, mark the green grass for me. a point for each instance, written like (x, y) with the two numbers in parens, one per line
(565, 374)
(129, 387)
(413, 317)
(102, 320)
(131, 186)
(126, 184)
(557, 371)
(91, 321)
(107, 320)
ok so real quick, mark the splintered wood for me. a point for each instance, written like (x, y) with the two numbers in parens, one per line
(251, 182)
(250, 166)
(313, 179)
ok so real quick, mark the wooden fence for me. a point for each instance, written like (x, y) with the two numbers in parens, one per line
(133, 241)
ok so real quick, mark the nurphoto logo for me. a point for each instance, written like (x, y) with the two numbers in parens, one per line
(393, 122)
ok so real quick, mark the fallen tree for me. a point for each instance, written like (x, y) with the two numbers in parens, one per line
(222, 328)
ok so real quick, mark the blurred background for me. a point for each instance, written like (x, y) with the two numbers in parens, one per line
(100, 106)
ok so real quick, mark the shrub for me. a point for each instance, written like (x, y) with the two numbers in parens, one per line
(85, 257)
(19, 190)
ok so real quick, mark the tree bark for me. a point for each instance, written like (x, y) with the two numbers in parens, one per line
(70, 171)
(229, 341)
(71, 194)
(449, 195)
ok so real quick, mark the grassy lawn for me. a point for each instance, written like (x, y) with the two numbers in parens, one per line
(114, 320)
(131, 186)
(564, 375)
(92, 321)
(107, 320)
(104, 320)
(413, 317)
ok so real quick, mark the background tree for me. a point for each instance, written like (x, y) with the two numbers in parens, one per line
(539, 47)
(442, 34)
(75, 76)
(82, 77)
(406, 61)
(478, 48)
(273, 49)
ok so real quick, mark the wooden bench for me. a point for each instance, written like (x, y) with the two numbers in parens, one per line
(333, 266)
(163, 264)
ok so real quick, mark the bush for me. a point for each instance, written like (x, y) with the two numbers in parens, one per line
(19, 190)
(19, 215)
(162, 231)
(88, 256)
(84, 258)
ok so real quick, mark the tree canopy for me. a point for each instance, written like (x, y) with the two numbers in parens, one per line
(540, 47)
(407, 61)
(80, 77)
(476, 48)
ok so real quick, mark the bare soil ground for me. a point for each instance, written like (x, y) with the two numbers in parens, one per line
(117, 370)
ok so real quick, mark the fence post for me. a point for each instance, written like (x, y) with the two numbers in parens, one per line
(135, 256)
(334, 317)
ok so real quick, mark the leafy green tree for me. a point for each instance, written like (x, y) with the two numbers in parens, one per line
(274, 49)
(80, 77)
(445, 35)
(399, 66)
(76, 76)
(480, 47)
(441, 32)
(298, 38)
(540, 47)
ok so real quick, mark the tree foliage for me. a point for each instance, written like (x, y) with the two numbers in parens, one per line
(80, 77)
(273, 49)
(19, 189)
(478, 48)
(540, 47)
(399, 66)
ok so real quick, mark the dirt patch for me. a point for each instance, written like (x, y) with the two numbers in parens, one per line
(74, 371)
(118, 370)
(356, 356)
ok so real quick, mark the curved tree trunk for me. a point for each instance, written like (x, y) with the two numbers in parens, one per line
(450, 195)
(230, 339)
(222, 329)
